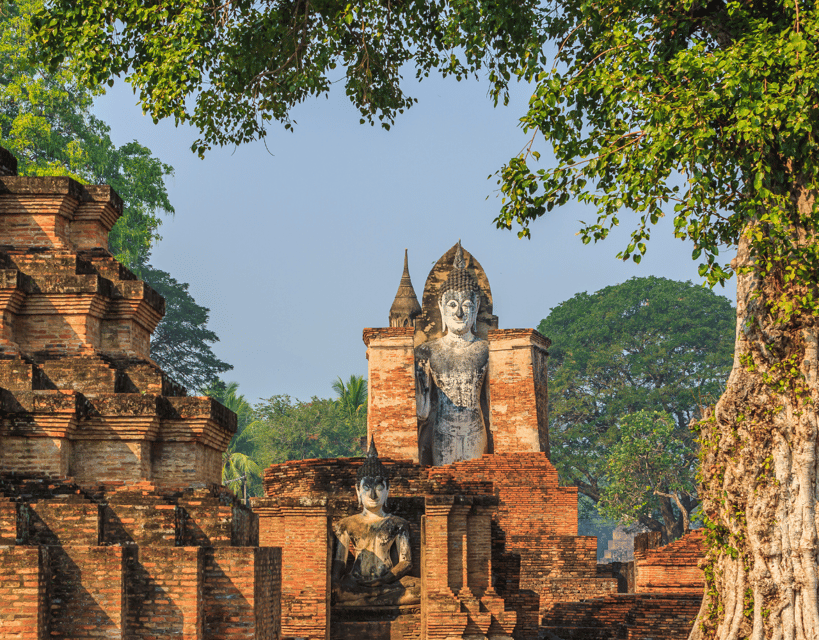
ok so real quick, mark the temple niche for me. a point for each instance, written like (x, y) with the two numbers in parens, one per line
(437, 400)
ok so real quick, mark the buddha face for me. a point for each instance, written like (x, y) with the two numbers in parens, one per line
(458, 311)
(372, 494)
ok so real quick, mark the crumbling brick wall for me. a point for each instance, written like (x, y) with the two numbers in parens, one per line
(101, 529)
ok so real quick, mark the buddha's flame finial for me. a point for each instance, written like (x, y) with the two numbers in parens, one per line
(459, 262)
(372, 467)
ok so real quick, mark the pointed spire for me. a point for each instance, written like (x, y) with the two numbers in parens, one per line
(405, 307)
(372, 467)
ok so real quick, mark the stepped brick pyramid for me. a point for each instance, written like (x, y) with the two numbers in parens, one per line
(113, 521)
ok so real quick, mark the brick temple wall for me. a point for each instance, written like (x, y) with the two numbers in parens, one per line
(391, 413)
(673, 568)
(113, 520)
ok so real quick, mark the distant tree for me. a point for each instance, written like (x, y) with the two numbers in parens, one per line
(288, 429)
(647, 344)
(239, 460)
(649, 467)
(181, 344)
(353, 395)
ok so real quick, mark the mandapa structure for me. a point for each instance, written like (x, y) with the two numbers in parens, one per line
(492, 537)
(113, 520)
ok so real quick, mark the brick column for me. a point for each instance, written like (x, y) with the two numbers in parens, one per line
(441, 616)
(242, 593)
(271, 521)
(518, 398)
(165, 595)
(24, 579)
(87, 592)
(391, 413)
(479, 553)
(306, 565)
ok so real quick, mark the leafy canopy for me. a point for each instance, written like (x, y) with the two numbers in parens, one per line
(229, 68)
(650, 460)
(648, 344)
(704, 109)
(288, 429)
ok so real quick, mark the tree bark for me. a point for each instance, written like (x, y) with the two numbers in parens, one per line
(759, 470)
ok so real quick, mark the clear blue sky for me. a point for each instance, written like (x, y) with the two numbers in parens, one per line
(298, 245)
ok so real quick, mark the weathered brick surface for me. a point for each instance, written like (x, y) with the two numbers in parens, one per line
(24, 579)
(87, 593)
(390, 623)
(518, 397)
(623, 572)
(628, 616)
(673, 568)
(41, 455)
(391, 412)
(166, 595)
(241, 595)
(66, 520)
(8, 521)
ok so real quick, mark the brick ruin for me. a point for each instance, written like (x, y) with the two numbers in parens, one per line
(113, 520)
(495, 538)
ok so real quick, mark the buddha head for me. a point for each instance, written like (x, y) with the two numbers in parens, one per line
(373, 486)
(459, 298)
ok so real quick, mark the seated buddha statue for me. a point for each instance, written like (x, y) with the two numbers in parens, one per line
(450, 376)
(380, 544)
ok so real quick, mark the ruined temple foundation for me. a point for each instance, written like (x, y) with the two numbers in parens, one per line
(113, 520)
(495, 537)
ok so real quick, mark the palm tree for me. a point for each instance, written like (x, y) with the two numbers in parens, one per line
(238, 466)
(353, 395)
(237, 461)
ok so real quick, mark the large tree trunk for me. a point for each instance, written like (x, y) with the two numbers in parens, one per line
(759, 472)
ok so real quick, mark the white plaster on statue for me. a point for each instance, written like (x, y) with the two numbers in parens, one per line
(375, 535)
(451, 377)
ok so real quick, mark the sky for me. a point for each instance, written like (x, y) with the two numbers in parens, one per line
(297, 244)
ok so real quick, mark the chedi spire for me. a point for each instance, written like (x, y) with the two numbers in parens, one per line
(405, 307)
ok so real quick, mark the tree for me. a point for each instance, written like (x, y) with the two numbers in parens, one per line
(353, 395)
(648, 344)
(706, 111)
(239, 467)
(230, 68)
(46, 121)
(649, 467)
(288, 429)
(181, 341)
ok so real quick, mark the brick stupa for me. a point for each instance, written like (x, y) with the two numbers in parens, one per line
(113, 521)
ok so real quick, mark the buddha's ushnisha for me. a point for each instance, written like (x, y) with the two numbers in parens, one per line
(451, 375)
(381, 544)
